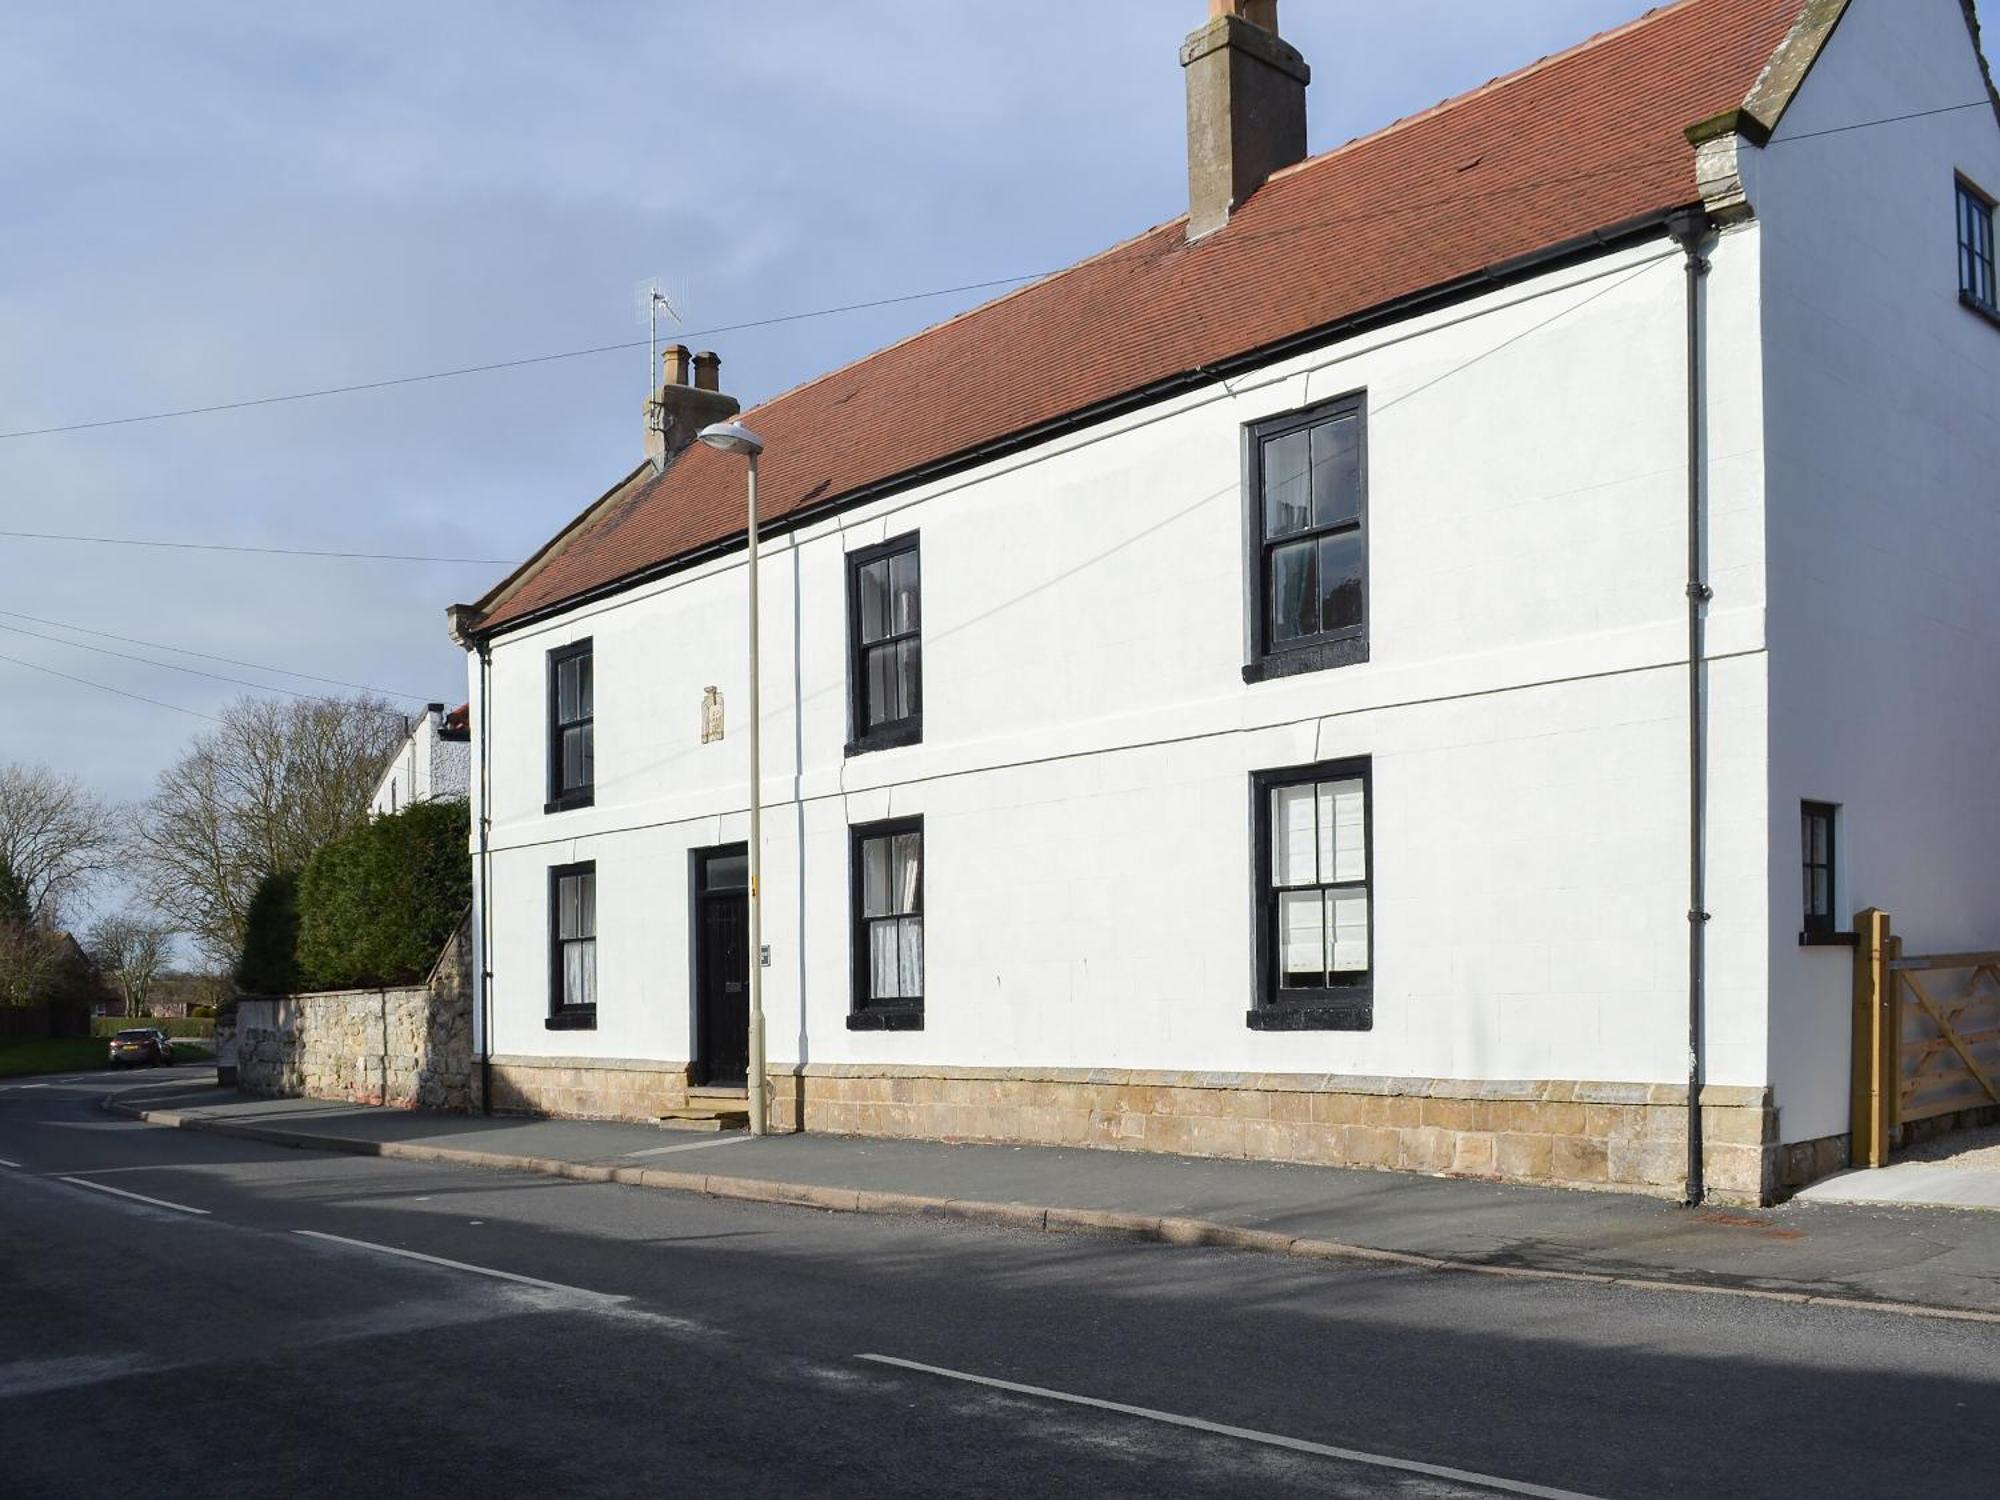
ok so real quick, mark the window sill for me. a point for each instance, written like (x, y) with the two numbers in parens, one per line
(885, 1020)
(1318, 657)
(1828, 939)
(888, 737)
(1354, 1016)
(582, 1018)
(570, 801)
(1973, 305)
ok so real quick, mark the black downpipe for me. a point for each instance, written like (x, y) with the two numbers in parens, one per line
(484, 958)
(1691, 231)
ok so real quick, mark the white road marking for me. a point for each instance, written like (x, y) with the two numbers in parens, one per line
(459, 1265)
(1246, 1434)
(102, 1187)
(721, 1140)
(14, 1164)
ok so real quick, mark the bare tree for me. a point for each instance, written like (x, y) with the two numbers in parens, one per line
(55, 836)
(132, 951)
(259, 794)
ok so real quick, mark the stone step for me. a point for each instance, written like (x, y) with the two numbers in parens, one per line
(710, 1120)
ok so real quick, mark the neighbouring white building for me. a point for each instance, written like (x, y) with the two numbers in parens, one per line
(433, 764)
(1242, 695)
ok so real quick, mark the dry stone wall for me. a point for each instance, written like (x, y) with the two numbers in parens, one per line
(409, 1047)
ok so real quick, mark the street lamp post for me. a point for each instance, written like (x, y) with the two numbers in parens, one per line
(733, 437)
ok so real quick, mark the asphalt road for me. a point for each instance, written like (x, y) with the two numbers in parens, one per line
(270, 1325)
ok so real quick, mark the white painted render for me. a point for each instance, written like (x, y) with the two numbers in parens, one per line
(1089, 739)
(1883, 417)
(427, 767)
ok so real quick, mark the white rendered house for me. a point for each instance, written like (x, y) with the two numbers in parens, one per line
(433, 764)
(1235, 696)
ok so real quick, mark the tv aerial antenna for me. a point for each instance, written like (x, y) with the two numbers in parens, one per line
(650, 299)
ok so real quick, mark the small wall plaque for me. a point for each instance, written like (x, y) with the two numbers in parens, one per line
(711, 715)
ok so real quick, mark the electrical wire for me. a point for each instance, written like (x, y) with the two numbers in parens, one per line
(106, 687)
(261, 687)
(255, 666)
(127, 541)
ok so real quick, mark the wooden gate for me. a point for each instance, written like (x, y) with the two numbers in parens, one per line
(1926, 1036)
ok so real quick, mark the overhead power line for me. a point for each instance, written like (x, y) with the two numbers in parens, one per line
(105, 687)
(128, 541)
(1922, 114)
(360, 687)
(262, 687)
(507, 364)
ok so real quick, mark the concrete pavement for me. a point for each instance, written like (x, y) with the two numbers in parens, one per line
(1923, 1261)
(339, 1324)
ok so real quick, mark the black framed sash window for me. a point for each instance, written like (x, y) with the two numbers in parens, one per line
(1308, 544)
(885, 627)
(573, 946)
(889, 926)
(1314, 899)
(1816, 859)
(572, 757)
(1977, 283)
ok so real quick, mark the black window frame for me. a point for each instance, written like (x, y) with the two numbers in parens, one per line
(1348, 645)
(908, 730)
(562, 797)
(1818, 926)
(1329, 1008)
(865, 1013)
(563, 1016)
(1977, 219)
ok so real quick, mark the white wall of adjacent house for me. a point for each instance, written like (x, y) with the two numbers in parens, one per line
(428, 766)
(1883, 415)
(1089, 739)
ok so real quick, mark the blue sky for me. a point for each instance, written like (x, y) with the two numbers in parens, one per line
(209, 201)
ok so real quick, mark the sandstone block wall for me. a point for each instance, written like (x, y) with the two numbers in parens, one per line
(410, 1047)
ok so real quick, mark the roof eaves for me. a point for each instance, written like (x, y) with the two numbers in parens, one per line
(1985, 67)
(469, 617)
(1429, 299)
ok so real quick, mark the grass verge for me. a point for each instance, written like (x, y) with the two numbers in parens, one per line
(74, 1054)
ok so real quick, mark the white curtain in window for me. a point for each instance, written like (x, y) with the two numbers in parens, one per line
(1343, 846)
(1302, 936)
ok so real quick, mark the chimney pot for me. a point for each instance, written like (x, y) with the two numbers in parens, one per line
(1262, 13)
(1246, 108)
(689, 399)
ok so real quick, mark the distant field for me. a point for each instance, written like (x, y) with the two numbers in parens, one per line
(73, 1055)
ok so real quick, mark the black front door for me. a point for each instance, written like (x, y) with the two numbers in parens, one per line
(722, 965)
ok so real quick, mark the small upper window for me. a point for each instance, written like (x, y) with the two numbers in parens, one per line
(1314, 912)
(889, 926)
(1816, 834)
(1976, 279)
(572, 762)
(1309, 554)
(887, 668)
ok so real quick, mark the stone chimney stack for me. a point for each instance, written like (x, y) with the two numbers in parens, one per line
(689, 398)
(1246, 107)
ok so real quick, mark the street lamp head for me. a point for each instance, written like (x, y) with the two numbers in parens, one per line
(732, 437)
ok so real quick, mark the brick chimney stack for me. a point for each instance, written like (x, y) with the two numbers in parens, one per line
(1246, 106)
(689, 398)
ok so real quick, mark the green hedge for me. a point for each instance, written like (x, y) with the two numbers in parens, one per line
(377, 906)
(269, 964)
(108, 1025)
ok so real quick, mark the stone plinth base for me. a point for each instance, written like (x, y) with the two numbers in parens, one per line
(588, 1088)
(1626, 1136)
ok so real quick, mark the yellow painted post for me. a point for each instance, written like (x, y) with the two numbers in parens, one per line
(1869, 1106)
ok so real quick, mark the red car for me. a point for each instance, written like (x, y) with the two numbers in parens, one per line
(142, 1047)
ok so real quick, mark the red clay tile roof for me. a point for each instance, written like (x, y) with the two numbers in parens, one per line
(1583, 141)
